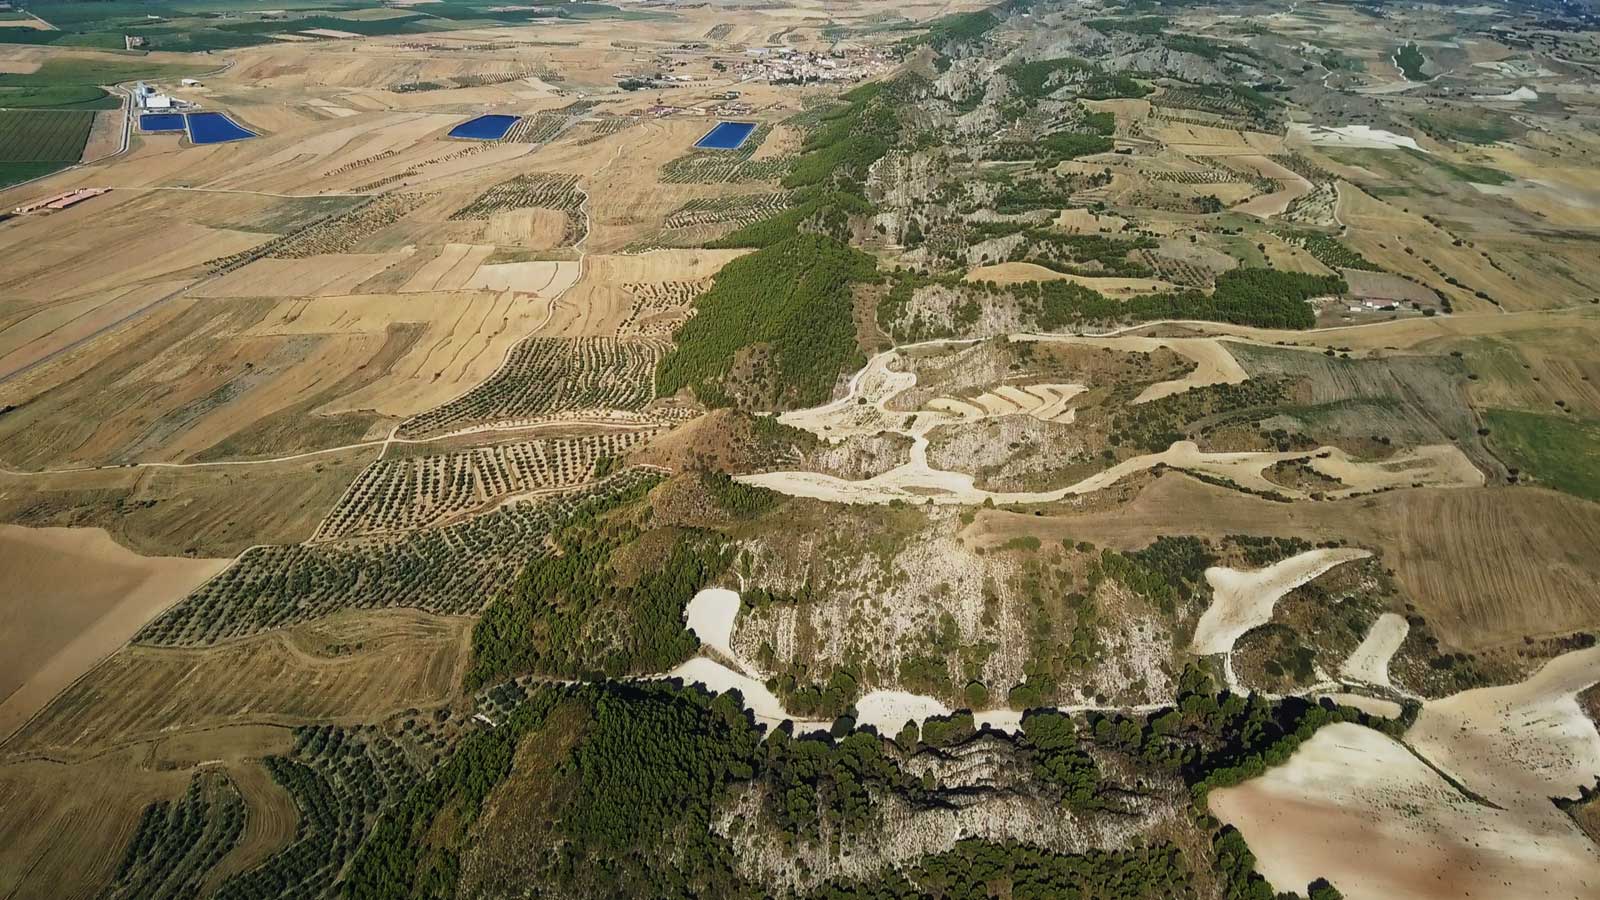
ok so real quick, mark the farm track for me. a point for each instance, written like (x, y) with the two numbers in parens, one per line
(499, 429)
(509, 486)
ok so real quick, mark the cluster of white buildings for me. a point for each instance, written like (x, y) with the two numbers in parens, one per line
(782, 64)
(148, 99)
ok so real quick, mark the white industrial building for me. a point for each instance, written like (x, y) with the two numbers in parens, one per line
(147, 97)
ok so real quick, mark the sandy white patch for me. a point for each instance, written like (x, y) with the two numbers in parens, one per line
(1355, 807)
(917, 482)
(1360, 136)
(718, 678)
(1434, 465)
(1522, 94)
(1244, 600)
(889, 711)
(710, 615)
(1372, 706)
(1369, 662)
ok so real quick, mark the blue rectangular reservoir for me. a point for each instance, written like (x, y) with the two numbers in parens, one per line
(485, 128)
(726, 136)
(153, 122)
(215, 128)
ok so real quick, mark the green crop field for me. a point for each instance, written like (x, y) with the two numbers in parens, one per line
(99, 69)
(1410, 60)
(198, 26)
(1468, 126)
(99, 40)
(56, 96)
(16, 173)
(1557, 451)
(55, 135)
(37, 142)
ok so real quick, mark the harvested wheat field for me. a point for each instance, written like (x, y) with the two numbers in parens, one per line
(1354, 806)
(92, 807)
(1205, 140)
(1383, 232)
(349, 667)
(110, 241)
(34, 335)
(71, 596)
(463, 338)
(193, 375)
(1413, 333)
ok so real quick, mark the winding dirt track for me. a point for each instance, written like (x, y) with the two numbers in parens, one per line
(864, 410)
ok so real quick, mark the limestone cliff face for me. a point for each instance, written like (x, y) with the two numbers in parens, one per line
(983, 788)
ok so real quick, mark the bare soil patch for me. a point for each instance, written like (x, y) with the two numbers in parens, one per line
(72, 596)
(1357, 808)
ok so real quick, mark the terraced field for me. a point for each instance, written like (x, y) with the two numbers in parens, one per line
(341, 779)
(545, 126)
(1197, 176)
(177, 842)
(737, 210)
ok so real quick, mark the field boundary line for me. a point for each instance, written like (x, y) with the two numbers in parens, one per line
(550, 311)
(554, 424)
